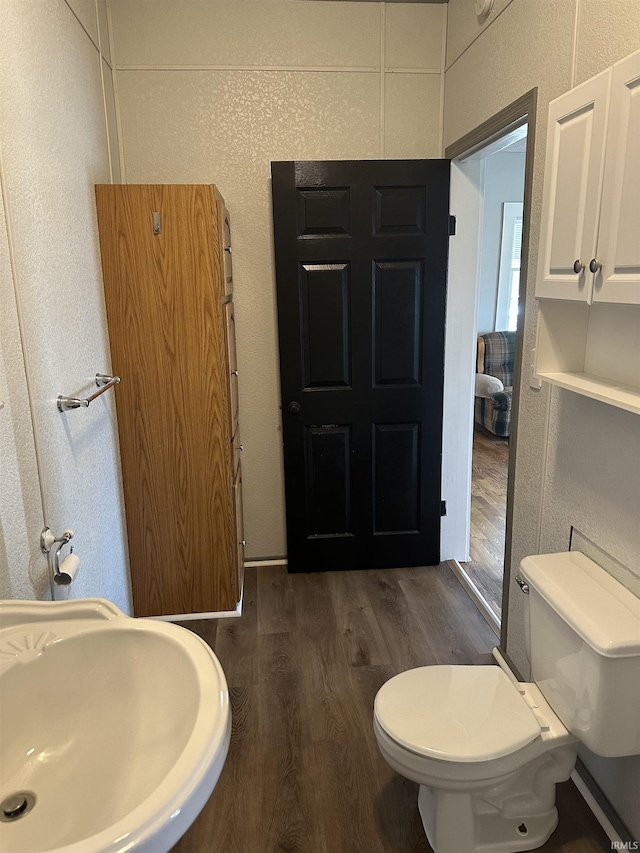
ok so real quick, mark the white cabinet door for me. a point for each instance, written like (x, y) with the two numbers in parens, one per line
(572, 189)
(619, 238)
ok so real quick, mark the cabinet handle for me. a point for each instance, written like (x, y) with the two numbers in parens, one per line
(595, 265)
(578, 266)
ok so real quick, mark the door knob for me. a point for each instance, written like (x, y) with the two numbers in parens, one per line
(294, 408)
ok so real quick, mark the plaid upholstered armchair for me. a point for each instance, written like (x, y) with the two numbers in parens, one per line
(496, 353)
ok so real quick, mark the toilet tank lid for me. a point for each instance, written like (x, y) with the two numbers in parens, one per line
(598, 608)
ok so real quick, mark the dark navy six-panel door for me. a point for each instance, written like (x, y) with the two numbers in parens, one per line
(361, 259)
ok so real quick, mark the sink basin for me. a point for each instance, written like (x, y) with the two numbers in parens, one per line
(114, 730)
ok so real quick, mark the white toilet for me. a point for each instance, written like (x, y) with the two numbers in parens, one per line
(487, 750)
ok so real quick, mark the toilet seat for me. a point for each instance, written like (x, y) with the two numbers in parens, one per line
(459, 714)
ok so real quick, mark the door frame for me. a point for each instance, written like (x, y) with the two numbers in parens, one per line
(519, 112)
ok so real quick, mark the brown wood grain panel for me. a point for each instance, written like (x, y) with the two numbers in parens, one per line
(166, 332)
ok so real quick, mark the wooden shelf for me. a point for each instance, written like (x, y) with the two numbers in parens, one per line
(615, 394)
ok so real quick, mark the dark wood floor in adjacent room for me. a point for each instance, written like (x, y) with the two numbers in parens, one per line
(488, 515)
(303, 663)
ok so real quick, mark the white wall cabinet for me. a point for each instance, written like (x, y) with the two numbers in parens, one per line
(619, 233)
(589, 262)
(572, 188)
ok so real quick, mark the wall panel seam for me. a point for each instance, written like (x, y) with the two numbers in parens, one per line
(383, 54)
(86, 31)
(25, 355)
(476, 37)
(108, 61)
(106, 115)
(399, 70)
(543, 468)
(443, 61)
(574, 47)
(354, 69)
(116, 96)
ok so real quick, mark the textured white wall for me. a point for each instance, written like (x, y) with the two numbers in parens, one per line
(577, 459)
(22, 569)
(54, 149)
(503, 181)
(215, 91)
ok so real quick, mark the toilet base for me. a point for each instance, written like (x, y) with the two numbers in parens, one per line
(514, 814)
(490, 832)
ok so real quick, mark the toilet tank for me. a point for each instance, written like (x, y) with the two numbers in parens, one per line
(584, 649)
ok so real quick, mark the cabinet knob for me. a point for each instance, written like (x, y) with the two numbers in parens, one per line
(294, 408)
(243, 542)
(578, 266)
(234, 372)
(595, 265)
(241, 448)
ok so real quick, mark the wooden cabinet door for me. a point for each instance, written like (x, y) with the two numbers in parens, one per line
(163, 294)
(225, 247)
(619, 237)
(572, 188)
(232, 364)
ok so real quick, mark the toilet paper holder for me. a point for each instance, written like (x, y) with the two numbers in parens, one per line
(51, 545)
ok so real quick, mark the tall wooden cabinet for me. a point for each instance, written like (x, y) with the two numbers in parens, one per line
(589, 263)
(166, 260)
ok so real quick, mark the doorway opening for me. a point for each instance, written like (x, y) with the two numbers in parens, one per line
(501, 170)
(491, 180)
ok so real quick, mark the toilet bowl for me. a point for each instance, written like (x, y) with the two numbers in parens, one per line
(486, 751)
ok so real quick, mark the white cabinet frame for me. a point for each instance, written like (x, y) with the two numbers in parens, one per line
(589, 320)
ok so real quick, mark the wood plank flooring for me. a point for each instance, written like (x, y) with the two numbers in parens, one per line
(303, 663)
(488, 513)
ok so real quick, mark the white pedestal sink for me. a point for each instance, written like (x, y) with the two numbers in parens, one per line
(113, 731)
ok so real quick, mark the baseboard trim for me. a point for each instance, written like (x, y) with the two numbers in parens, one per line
(191, 617)
(475, 595)
(500, 654)
(602, 809)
